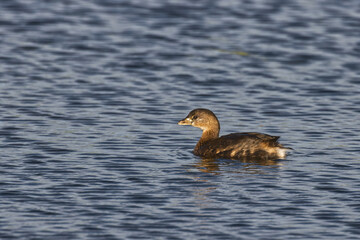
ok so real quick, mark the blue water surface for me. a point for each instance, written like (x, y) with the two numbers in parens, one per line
(91, 92)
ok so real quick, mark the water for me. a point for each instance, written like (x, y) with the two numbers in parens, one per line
(91, 92)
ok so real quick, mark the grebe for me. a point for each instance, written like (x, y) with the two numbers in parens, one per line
(234, 145)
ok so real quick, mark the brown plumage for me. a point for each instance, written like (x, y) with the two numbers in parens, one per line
(235, 145)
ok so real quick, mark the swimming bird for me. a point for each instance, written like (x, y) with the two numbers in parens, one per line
(234, 145)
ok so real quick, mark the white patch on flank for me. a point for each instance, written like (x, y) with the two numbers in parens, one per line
(281, 152)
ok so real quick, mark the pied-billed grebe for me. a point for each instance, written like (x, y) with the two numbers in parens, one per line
(235, 145)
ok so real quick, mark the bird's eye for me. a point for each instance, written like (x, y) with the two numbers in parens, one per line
(194, 117)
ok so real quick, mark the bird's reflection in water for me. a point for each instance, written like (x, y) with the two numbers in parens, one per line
(218, 167)
(247, 165)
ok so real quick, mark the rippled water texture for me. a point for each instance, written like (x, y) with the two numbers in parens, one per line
(91, 92)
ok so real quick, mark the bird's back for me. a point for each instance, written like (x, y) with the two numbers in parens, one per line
(241, 145)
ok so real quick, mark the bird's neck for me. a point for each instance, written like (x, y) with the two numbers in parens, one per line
(207, 135)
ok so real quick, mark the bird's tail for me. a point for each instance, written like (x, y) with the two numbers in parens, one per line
(282, 151)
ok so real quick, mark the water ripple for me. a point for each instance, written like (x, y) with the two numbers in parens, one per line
(91, 93)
